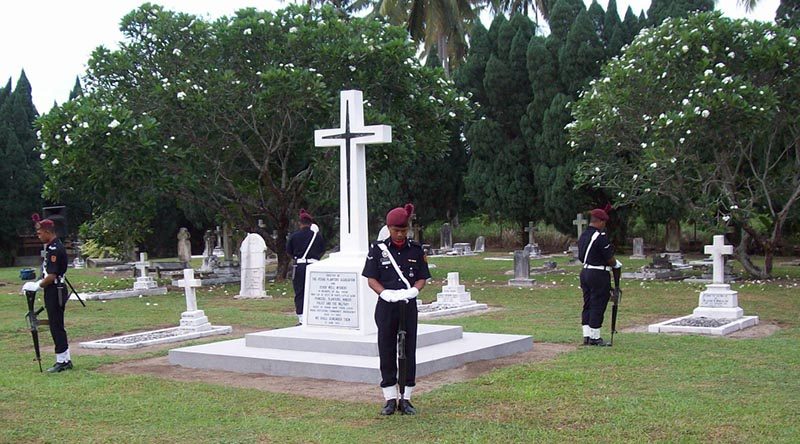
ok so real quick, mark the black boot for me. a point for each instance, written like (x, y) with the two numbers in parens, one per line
(60, 367)
(585, 340)
(406, 408)
(389, 407)
(599, 342)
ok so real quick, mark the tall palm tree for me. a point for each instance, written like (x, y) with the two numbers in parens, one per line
(444, 23)
(749, 5)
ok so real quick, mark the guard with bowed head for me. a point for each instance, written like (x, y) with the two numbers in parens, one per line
(397, 269)
(305, 246)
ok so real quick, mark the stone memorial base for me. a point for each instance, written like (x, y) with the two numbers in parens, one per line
(651, 274)
(520, 282)
(322, 354)
(144, 283)
(437, 310)
(700, 325)
(155, 337)
(263, 295)
(120, 294)
(718, 313)
(213, 279)
(637, 256)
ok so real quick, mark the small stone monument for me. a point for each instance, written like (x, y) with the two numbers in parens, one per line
(638, 248)
(661, 269)
(445, 238)
(184, 246)
(532, 248)
(78, 262)
(209, 260)
(453, 299)
(718, 311)
(253, 260)
(461, 249)
(522, 270)
(218, 251)
(480, 245)
(579, 222)
(672, 244)
(143, 281)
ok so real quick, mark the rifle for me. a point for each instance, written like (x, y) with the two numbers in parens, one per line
(616, 297)
(401, 351)
(33, 323)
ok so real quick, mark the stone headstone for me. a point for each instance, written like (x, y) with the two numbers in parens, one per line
(638, 248)
(143, 281)
(446, 237)
(453, 299)
(718, 310)
(522, 270)
(226, 242)
(253, 260)
(78, 262)
(218, 251)
(480, 244)
(661, 262)
(672, 244)
(530, 229)
(462, 249)
(184, 246)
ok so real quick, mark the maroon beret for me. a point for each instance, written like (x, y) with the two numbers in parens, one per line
(45, 224)
(305, 217)
(398, 217)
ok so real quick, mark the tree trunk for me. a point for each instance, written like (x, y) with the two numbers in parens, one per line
(744, 258)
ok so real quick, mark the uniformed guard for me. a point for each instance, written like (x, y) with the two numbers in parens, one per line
(397, 269)
(54, 267)
(306, 246)
(597, 255)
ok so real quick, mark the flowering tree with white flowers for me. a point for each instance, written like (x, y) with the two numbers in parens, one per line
(703, 112)
(221, 115)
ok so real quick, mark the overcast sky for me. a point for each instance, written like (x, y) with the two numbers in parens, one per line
(53, 39)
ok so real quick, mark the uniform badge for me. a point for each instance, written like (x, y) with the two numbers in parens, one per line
(385, 253)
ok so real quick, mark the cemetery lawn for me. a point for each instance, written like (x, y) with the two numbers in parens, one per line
(665, 388)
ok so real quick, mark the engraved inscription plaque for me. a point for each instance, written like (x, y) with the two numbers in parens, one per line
(333, 299)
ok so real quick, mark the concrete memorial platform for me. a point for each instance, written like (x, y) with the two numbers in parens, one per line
(338, 337)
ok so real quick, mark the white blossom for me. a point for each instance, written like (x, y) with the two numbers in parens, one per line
(68, 140)
(43, 156)
(352, 68)
(705, 113)
(176, 52)
(85, 125)
(293, 29)
(704, 48)
(114, 123)
(726, 218)
(685, 48)
(55, 162)
(653, 165)
(635, 176)
(247, 31)
(732, 55)
(673, 160)
(181, 95)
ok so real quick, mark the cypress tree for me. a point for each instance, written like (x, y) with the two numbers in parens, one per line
(562, 16)
(579, 58)
(788, 14)
(661, 9)
(612, 21)
(77, 90)
(598, 18)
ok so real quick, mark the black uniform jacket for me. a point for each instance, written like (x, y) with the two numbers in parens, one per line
(601, 250)
(298, 242)
(55, 258)
(410, 258)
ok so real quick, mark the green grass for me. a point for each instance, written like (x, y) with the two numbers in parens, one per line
(647, 388)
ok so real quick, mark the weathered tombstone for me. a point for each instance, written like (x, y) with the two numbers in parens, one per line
(718, 310)
(522, 270)
(446, 238)
(579, 222)
(480, 244)
(143, 281)
(226, 242)
(672, 243)
(638, 248)
(462, 249)
(209, 260)
(184, 246)
(338, 338)
(253, 260)
(531, 229)
(218, 251)
(78, 262)
(414, 229)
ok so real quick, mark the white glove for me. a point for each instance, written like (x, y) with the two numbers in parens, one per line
(618, 264)
(390, 295)
(409, 294)
(32, 286)
(314, 228)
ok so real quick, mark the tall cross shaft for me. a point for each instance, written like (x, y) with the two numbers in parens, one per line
(352, 136)
(530, 229)
(717, 249)
(579, 222)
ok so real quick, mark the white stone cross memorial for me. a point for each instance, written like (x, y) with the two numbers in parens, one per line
(143, 281)
(192, 318)
(337, 297)
(716, 250)
(579, 222)
(351, 137)
(253, 259)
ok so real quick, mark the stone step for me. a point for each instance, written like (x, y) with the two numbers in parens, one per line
(316, 340)
(235, 356)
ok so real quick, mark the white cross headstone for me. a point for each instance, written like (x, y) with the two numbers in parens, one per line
(530, 229)
(579, 222)
(717, 249)
(143, 281)
(189, 283)
(142, 265)
(352, 136)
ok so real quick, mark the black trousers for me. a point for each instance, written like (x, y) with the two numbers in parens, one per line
(387, 318)
(55, 316)
(299, 284)
(596, 286)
